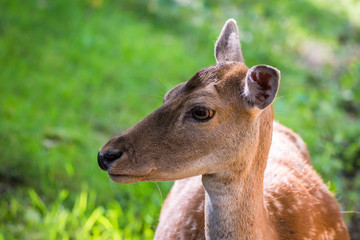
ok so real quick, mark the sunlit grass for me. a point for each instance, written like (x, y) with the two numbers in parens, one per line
(82, 220)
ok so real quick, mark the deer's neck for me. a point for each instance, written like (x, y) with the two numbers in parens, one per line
(234, 208)
(234, 198)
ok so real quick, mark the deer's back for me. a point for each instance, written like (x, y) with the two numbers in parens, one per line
(297, 200)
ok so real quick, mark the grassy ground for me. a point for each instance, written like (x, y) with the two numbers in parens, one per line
(75, 73)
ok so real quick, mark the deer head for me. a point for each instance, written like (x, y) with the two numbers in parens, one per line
(208, 124)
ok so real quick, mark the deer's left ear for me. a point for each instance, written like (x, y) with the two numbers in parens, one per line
(227, 47)
(261, 86)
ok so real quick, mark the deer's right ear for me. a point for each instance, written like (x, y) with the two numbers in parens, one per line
(261, 86)
(227, 47)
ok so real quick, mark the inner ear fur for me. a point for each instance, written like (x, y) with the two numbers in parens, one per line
(261, 86)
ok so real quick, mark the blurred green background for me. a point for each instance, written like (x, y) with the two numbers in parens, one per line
(75, 73)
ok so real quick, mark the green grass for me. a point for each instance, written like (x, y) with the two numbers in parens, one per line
(75, 73)
(85, 219)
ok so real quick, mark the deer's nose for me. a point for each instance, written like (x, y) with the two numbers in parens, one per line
(105, 159)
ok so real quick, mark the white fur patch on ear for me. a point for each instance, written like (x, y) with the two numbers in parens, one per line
(227, 47)
(261, 86)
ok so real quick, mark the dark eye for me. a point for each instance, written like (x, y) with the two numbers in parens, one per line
(202, 113)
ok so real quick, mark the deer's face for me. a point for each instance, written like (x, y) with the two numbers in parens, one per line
(204, 125)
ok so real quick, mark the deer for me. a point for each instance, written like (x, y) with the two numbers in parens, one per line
(238, 173)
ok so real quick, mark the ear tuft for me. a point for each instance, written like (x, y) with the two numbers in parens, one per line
(261, 86)
(227, 47)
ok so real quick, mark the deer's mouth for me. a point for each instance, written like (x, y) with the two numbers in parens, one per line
(129, 178)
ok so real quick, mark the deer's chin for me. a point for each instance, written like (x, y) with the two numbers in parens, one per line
(119, 178)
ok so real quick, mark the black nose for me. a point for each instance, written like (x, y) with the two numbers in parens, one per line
(105, 159)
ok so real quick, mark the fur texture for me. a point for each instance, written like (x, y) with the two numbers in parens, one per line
(244, 176)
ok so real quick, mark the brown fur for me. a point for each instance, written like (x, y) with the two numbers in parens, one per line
(289, 198)
(282, 192)
(244, 176)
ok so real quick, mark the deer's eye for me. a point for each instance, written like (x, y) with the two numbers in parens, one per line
(202, 113)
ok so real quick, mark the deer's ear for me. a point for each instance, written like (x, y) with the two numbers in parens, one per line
(261, 86)
(227, 47)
